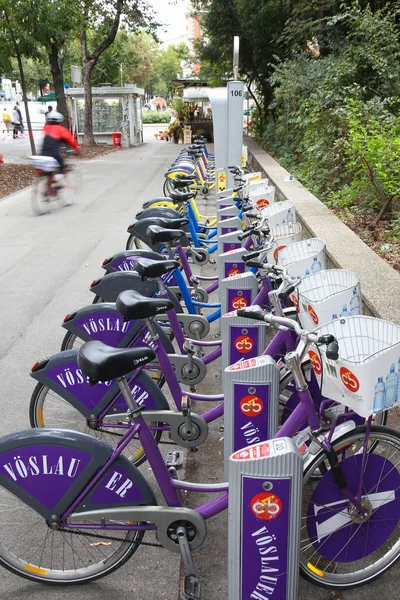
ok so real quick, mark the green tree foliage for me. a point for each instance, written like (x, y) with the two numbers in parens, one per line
(167, 67)
(315, 130)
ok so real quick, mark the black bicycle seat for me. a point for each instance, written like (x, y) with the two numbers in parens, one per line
(151, 269)
(160, 235)
(181, 183)
(133, 305)
(102, 363)
(181, 177)
(171, 224)
(179, 197)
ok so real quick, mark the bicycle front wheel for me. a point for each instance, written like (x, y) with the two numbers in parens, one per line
(72, 186)
(341, 548)
(30, 549)
(39, 200)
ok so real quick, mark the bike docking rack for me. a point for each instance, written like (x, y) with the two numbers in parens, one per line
(237, 291)
(227, 213)
(241, 339)
(265, 491)
(229, 241)
(233, 224)
(251, 415)
(231, 263)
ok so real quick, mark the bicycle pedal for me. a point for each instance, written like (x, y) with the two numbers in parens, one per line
(192, 588)
(174, 458)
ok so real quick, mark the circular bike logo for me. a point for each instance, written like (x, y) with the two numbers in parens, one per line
(266, 506)
(251, 406)
(349, 380)
(295, 301)
(313, 314)
(277, 250)
(244, 344)
(234, 271)
(262, 203)
(239, 302)
(316, 362)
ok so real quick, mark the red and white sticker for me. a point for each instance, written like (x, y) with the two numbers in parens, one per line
(262, 203)
(243, 364)
(233, 313)
(277, 250)
(295, 301)
(266, 506)
(234, 271)
(313, 314)
(244, 344)
(251, 406)
(349, 380)
(239, 302)
(262, 450)
(316, 362)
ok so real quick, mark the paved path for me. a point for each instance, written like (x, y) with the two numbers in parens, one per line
(46, 266)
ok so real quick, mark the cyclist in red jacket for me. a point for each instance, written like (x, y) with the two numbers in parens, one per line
(55, 136)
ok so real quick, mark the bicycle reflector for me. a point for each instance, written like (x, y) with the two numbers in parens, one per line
(108, 260)
(39, 364)
(95, 282)
(69, 317)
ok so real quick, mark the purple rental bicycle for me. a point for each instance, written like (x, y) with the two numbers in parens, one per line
(80, 508)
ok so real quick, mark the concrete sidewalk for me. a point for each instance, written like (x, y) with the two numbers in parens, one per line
(46, 266)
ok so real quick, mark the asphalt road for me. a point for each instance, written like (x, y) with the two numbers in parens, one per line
(46, 266)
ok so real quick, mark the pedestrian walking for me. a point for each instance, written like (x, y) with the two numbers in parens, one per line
(6, 120)
(16, 121)
(49, 110)
(21, 121)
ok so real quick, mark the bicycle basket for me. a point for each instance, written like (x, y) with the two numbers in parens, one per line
(366, 377)
(326, 295)
(304, 258)
(283, 236)
(262, 196)
(47, 164)
(280, 213)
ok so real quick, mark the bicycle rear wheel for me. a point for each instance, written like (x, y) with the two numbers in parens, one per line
(48, 409)
(30, 549)
(40, 202)
(339, 547)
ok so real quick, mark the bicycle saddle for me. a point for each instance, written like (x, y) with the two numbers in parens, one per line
(181, 177)
(160, 235)
(170, 224)
(179, 197)
(148, 268)
(102, 363)
(181, 183)
(133, 305)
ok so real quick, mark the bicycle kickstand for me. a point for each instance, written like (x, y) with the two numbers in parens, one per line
(191, 586)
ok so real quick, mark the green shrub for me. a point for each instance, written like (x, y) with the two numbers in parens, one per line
(155, 116)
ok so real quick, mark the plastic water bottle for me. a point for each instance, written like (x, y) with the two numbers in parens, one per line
(334, 317)
(379, 398)
(307, 272)
(345, 312)
(398, 380)
(391, 387)
(355, 303)
(289, 217)
(316, 265)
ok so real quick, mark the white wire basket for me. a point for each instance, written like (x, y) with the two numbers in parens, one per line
(279, 213)
(47, 164)
(283, 236)
(303, 258)
(261, 196)
(366, 377)
(327, 295)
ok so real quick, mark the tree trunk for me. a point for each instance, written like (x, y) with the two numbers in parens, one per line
(23, 82)
(88, 138)
(58, 83)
